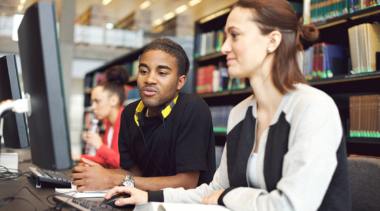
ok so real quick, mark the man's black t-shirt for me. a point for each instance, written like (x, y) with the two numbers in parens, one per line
(184, 141)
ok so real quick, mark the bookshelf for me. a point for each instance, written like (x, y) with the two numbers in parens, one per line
(339, 87)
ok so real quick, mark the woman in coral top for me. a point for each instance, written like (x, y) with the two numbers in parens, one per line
(107, 99)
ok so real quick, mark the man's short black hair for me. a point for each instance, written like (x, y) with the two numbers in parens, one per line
(173, 49)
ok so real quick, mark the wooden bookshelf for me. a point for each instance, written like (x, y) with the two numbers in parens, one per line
(371, 11)
(339, 87)
(210, 56)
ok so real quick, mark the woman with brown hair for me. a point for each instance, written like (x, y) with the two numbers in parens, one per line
(285, 147)
(107, 104)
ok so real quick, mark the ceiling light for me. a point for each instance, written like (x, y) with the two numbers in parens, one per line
(181, 9)
(194, 2)
(169, 16)
(16, 23)
(109, 25)
(20, 7)
(105, 2)
(157, 22)
(22, 1)
(145, 4)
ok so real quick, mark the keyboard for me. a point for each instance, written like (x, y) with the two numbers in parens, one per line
(84, 204)
(50, 178)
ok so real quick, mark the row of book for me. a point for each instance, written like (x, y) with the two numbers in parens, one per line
(133, 92)
(323, 60)
(364, 44)
(322, 10)
(93, 81)
(132, 67)
(365, 116)
(220, 115)
(212, 78)
(208, 43)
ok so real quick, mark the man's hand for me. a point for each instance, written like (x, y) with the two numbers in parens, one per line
(91, 176)
(93, 139)
(137, 196)
(213, 198)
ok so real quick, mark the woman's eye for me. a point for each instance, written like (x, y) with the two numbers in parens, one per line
(234, 35)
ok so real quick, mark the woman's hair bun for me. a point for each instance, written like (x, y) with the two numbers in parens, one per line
(117, 75)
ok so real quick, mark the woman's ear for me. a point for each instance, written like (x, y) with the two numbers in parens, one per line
(275, 38)
(114, 100)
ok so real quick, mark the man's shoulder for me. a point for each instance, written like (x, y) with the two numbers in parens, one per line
(130, 109)
(186, 99)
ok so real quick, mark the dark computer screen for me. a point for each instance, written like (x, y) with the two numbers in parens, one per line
(42, 77)
(15, 133)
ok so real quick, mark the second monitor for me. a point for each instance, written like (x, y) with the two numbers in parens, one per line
(41, 73)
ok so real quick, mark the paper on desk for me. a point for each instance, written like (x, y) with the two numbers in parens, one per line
(85, 194)
(157, 206)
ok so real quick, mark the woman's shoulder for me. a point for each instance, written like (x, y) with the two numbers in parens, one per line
(307, 97)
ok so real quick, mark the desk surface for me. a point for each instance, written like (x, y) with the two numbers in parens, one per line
(11, 187)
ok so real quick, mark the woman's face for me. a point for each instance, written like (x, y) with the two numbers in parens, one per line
(101, 103)
(244, 46)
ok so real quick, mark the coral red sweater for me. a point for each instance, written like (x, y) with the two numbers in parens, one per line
(109, 157)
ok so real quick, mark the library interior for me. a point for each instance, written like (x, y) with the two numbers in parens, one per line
(106, 103)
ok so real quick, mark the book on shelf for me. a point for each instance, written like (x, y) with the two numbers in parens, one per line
(97, 79)
(315, 11)
(365, 116)
(132, 67)
(323, 60)
(364, 44)
(220, 115)
(212, 78)
(133, 92)
(208, 43)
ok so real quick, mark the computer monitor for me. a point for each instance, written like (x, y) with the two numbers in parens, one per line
(42, 77)
(15, 132)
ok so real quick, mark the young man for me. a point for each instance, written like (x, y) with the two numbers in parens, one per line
(166, 139)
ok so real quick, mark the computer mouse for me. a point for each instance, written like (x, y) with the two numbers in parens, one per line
(111, 201)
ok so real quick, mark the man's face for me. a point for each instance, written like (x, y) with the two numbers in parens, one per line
(157, 79)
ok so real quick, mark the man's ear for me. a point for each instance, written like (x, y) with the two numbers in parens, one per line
(181, 82)
(275, 38)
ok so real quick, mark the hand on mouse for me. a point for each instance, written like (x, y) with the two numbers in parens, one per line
(137, 196)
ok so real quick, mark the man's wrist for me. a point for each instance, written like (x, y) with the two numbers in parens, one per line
(116, 179)
(128, 181)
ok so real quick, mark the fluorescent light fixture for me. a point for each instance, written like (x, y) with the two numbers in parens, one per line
(20, 7)
(109, 25)
(105, 2)
(16, 23)
(144, 5)
(194, 2)
(181, 9)
(169, 16)
(22, 1)
(157, 22)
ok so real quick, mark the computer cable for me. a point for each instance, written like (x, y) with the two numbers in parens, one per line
(7, 200)
(6, 174)
(59, 205)
(166, 148)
